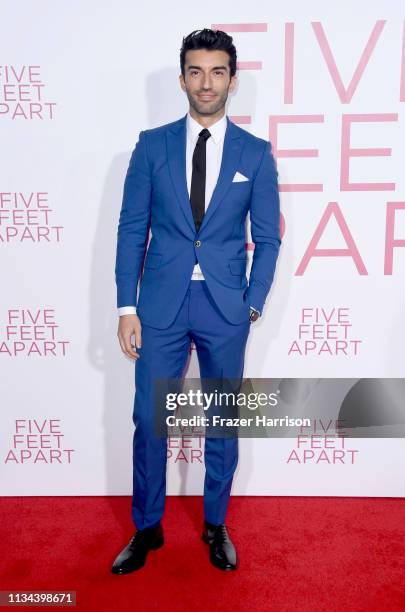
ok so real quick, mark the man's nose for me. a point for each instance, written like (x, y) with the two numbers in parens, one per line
(206, 81)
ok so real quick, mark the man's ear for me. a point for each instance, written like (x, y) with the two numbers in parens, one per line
(234, 82)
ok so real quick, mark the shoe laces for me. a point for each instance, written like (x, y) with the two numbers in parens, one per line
(136, 538)
(222, 533)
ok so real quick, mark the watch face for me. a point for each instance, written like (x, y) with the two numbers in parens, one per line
(254, 315)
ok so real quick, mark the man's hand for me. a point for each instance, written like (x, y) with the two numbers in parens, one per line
(129, 325)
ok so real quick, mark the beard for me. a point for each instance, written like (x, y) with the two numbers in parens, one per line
(207, 108)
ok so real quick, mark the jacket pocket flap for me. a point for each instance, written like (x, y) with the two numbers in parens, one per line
(237, 266)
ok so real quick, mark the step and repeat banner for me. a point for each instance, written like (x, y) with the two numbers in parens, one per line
(326, 85)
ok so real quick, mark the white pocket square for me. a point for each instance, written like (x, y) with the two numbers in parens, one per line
(239, 177)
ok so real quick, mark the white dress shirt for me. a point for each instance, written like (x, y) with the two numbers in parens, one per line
(214, 148)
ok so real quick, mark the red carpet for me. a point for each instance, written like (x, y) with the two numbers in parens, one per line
(306, 554)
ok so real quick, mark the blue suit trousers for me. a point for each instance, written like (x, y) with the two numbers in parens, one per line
(220, 347)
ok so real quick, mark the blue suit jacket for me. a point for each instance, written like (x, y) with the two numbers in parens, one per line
(155, 193)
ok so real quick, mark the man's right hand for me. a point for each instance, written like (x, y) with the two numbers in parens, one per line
(128, 326)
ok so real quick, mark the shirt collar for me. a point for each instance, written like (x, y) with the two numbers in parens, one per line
(217, 129)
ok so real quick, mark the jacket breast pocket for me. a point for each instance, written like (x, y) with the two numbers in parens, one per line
(153, 260)
(240, 191)
(237, 266)
(241, 186)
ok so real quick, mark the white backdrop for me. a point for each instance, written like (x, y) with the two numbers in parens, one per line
(78, 82)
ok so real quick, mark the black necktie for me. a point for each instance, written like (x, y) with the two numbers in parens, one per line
(197, 191)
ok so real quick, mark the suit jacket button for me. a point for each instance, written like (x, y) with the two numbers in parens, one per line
(197, 243)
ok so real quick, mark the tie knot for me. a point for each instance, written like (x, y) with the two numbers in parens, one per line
(204, 134)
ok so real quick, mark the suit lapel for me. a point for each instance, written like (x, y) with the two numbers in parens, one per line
(176, 149)
(230, 160)
(176, 153)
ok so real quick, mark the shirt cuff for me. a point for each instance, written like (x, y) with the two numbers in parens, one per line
(126, 310)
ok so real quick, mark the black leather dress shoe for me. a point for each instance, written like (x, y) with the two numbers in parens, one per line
(222, 551)
(133, 557)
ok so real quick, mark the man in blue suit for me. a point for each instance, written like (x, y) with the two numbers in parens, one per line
(192, 181)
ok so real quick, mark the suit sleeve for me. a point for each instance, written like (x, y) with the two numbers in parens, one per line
(133, 226)
(265, 229)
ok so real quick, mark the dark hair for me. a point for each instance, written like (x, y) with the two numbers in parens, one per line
(209, 39)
